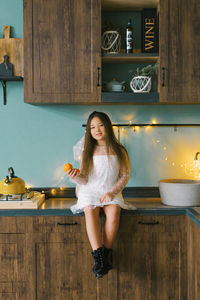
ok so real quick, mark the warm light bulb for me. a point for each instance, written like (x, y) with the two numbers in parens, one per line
(53, 191)
(164, 148)
(136, 128)
(173, 164)
(166, 158)
(148, 128)
(28, 186)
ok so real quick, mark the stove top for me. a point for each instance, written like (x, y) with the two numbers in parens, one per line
(19, 197)
(22, 201)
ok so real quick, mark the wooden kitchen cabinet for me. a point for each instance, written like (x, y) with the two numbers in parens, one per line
(179, 51)
(48, 257)
(62, 41)
(150, 259)
(60, 258)
(13, 274)
(194, 260)
(62, 52)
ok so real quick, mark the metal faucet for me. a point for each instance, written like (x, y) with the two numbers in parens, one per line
(196, 156)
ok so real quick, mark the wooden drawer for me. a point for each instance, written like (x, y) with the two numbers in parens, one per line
(152, 224)
(55, 224)
(12, 224)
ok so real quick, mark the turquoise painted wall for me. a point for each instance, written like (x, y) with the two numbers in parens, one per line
(38, 140)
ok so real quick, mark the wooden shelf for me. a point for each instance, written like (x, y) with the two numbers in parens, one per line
(132, 57)
(128, 4)
(123, 97)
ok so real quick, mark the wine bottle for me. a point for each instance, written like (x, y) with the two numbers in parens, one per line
(129, 38)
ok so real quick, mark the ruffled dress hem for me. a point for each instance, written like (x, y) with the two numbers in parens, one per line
(77, 208)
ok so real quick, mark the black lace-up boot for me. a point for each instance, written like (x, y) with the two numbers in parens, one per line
(100, 262)
(109, 258)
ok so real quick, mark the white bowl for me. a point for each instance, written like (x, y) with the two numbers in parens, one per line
(180, 192)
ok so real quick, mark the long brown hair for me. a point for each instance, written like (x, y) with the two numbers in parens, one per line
(111, 142)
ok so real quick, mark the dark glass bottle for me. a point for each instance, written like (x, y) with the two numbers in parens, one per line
(129, 38)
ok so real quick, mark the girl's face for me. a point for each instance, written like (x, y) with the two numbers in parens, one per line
(97, 130)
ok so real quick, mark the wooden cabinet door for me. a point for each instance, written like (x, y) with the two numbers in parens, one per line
(13, 275)
(62, 259)
(62, 48)
(194, 260)
(179, 23)
(151, 259)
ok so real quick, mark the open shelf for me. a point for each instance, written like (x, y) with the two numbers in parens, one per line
(131, 57)
(122, 66)
(118, 97)
(128, 4)
(3, 80)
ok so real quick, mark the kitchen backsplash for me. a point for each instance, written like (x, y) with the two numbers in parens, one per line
(37, 140)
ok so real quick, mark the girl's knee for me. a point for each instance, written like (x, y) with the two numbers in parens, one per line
(90, 211)
(112, 213)
(112, 209)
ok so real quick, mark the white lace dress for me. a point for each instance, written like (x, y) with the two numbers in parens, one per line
(105, 177)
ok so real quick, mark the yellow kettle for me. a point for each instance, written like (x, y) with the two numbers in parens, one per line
(12, 184)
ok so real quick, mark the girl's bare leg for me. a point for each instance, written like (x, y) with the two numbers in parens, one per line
(111, 226)
(93, 227)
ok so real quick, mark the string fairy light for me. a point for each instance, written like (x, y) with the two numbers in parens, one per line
(29, 186)
(53, 191)
(190, 168)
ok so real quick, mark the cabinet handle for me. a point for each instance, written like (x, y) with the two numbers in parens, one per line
(148, 223)
(98, 76)
(66, 224)
(163, 76)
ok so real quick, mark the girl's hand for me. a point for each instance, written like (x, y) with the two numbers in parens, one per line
(107, 197)
(72, 173)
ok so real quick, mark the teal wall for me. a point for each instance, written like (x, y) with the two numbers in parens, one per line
(38, 140)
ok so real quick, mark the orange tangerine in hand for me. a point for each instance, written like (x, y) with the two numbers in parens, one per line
(77, 171)
(67, 167)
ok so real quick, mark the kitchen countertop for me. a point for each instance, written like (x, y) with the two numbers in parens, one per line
(144, 206)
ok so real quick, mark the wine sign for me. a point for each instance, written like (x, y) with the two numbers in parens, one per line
(149, 30)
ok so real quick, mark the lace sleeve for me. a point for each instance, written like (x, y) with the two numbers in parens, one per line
(124, 174)
(80, 179)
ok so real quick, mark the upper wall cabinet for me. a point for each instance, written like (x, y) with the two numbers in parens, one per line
(61, 51)
(64, 63)
(180, 51)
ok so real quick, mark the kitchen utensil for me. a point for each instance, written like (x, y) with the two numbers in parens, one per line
(180, 192)
(12, 184)
(13, 47)
(115, 86)
(6, 68)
